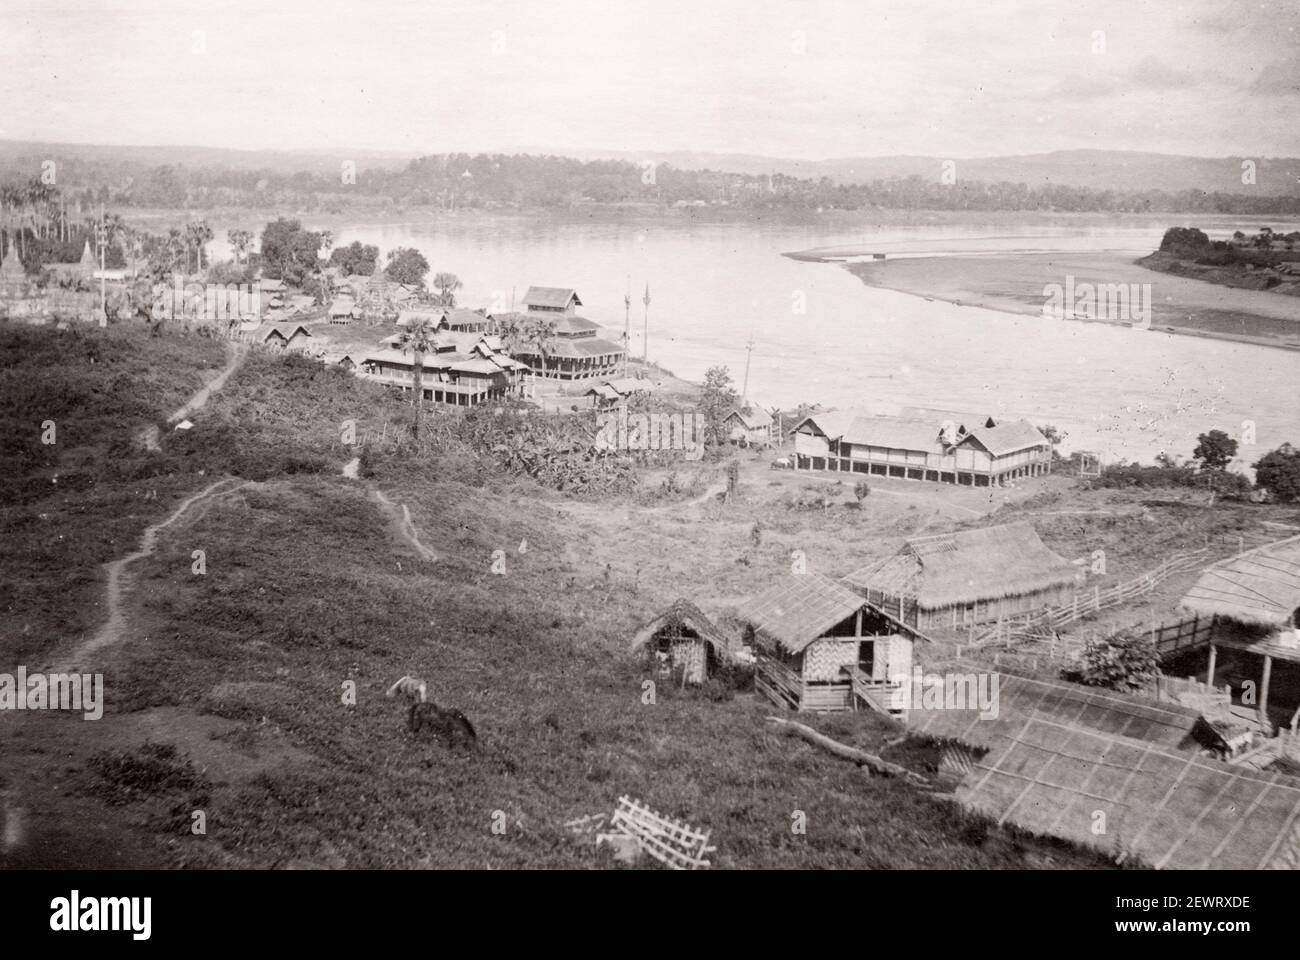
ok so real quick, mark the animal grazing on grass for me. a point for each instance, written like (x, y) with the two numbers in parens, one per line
(450, 726)
(412, 688)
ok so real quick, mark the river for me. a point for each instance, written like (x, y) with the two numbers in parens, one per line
(821, 335)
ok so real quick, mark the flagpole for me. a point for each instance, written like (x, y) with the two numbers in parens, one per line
(627, 324)
(645, 335)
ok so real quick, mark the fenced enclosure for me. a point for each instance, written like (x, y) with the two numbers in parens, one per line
(1043, 624)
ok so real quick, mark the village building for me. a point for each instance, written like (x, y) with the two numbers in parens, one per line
(1254, 600)
(750, 426)
(552, 301)
(343, 310)
(616, 391)
(290, 337)
(682, 638)
(455, 319)
(575, 350)
(954, 580)
(576, 353)
(979, 454)
(463, 369)
(819, 646)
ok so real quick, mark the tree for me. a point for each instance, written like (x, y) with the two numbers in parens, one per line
(289, 252)
(1278, 472)
(407, 266)
(1214, 450)
(717, 397)
(240, 241)
(539, 333)
(1120, 662)
(1180, 240)
(447, 284)
(420, 337)
(196, 235)
(355, 259)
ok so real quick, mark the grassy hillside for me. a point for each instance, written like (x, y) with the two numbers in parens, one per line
(226, 692)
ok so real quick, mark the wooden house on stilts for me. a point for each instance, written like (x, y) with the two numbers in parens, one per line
(1254, 600)
(953, 580)
(682, 638)
(821, 647)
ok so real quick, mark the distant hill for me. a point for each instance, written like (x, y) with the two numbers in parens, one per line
(1093, 169)
(24, 152)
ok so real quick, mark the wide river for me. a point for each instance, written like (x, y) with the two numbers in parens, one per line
(821, 335)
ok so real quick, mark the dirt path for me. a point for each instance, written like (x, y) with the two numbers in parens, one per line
(402, 524)
(238, 352)
(112, 630)
(148, 436)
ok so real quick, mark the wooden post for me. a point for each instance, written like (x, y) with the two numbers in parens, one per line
(1263, 691)
(1209, 674)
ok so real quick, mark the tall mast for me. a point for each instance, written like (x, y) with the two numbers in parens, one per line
(627, 323)
(103, 246)
(749, 352)
(645, 336)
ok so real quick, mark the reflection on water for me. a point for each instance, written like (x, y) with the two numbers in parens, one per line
(823, 336)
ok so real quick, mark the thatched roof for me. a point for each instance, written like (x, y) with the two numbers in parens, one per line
(967, 566)
(800, 610)
(551, 297)
(753, 418)
(1260, 586)
(682, 613)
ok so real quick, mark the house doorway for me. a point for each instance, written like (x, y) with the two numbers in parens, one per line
(867, 657)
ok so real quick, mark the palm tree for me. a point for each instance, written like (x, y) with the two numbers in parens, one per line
(420, 337)
(447, 284)
(196, 235)
(540, 334)
(239, 242)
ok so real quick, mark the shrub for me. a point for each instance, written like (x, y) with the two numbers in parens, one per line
(1119, 662)
(1278, 472)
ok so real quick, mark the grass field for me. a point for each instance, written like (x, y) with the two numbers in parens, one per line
(226, 694)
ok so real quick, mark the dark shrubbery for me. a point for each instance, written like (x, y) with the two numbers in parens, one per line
(1119, 662)
(154, 769)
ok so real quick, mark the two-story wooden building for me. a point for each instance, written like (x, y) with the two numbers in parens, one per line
(574, 349)
(979, 453)
(464, 369)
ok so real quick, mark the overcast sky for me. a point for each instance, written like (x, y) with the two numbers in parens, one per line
(948, 78)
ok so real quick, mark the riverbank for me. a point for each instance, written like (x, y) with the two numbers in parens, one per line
(1015, 283)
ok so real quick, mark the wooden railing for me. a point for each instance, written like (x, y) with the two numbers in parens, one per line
(879, 695)
(1041, 623)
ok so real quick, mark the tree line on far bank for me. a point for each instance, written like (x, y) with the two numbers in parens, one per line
(1277, 473)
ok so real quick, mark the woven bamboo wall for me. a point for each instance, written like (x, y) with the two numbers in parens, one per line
(822, 659)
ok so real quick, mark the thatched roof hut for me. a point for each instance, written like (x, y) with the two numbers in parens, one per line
(1260, 587)
(820, 646)
(683, 636)
(969, 576)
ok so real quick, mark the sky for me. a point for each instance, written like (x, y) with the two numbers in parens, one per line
(806, 79)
